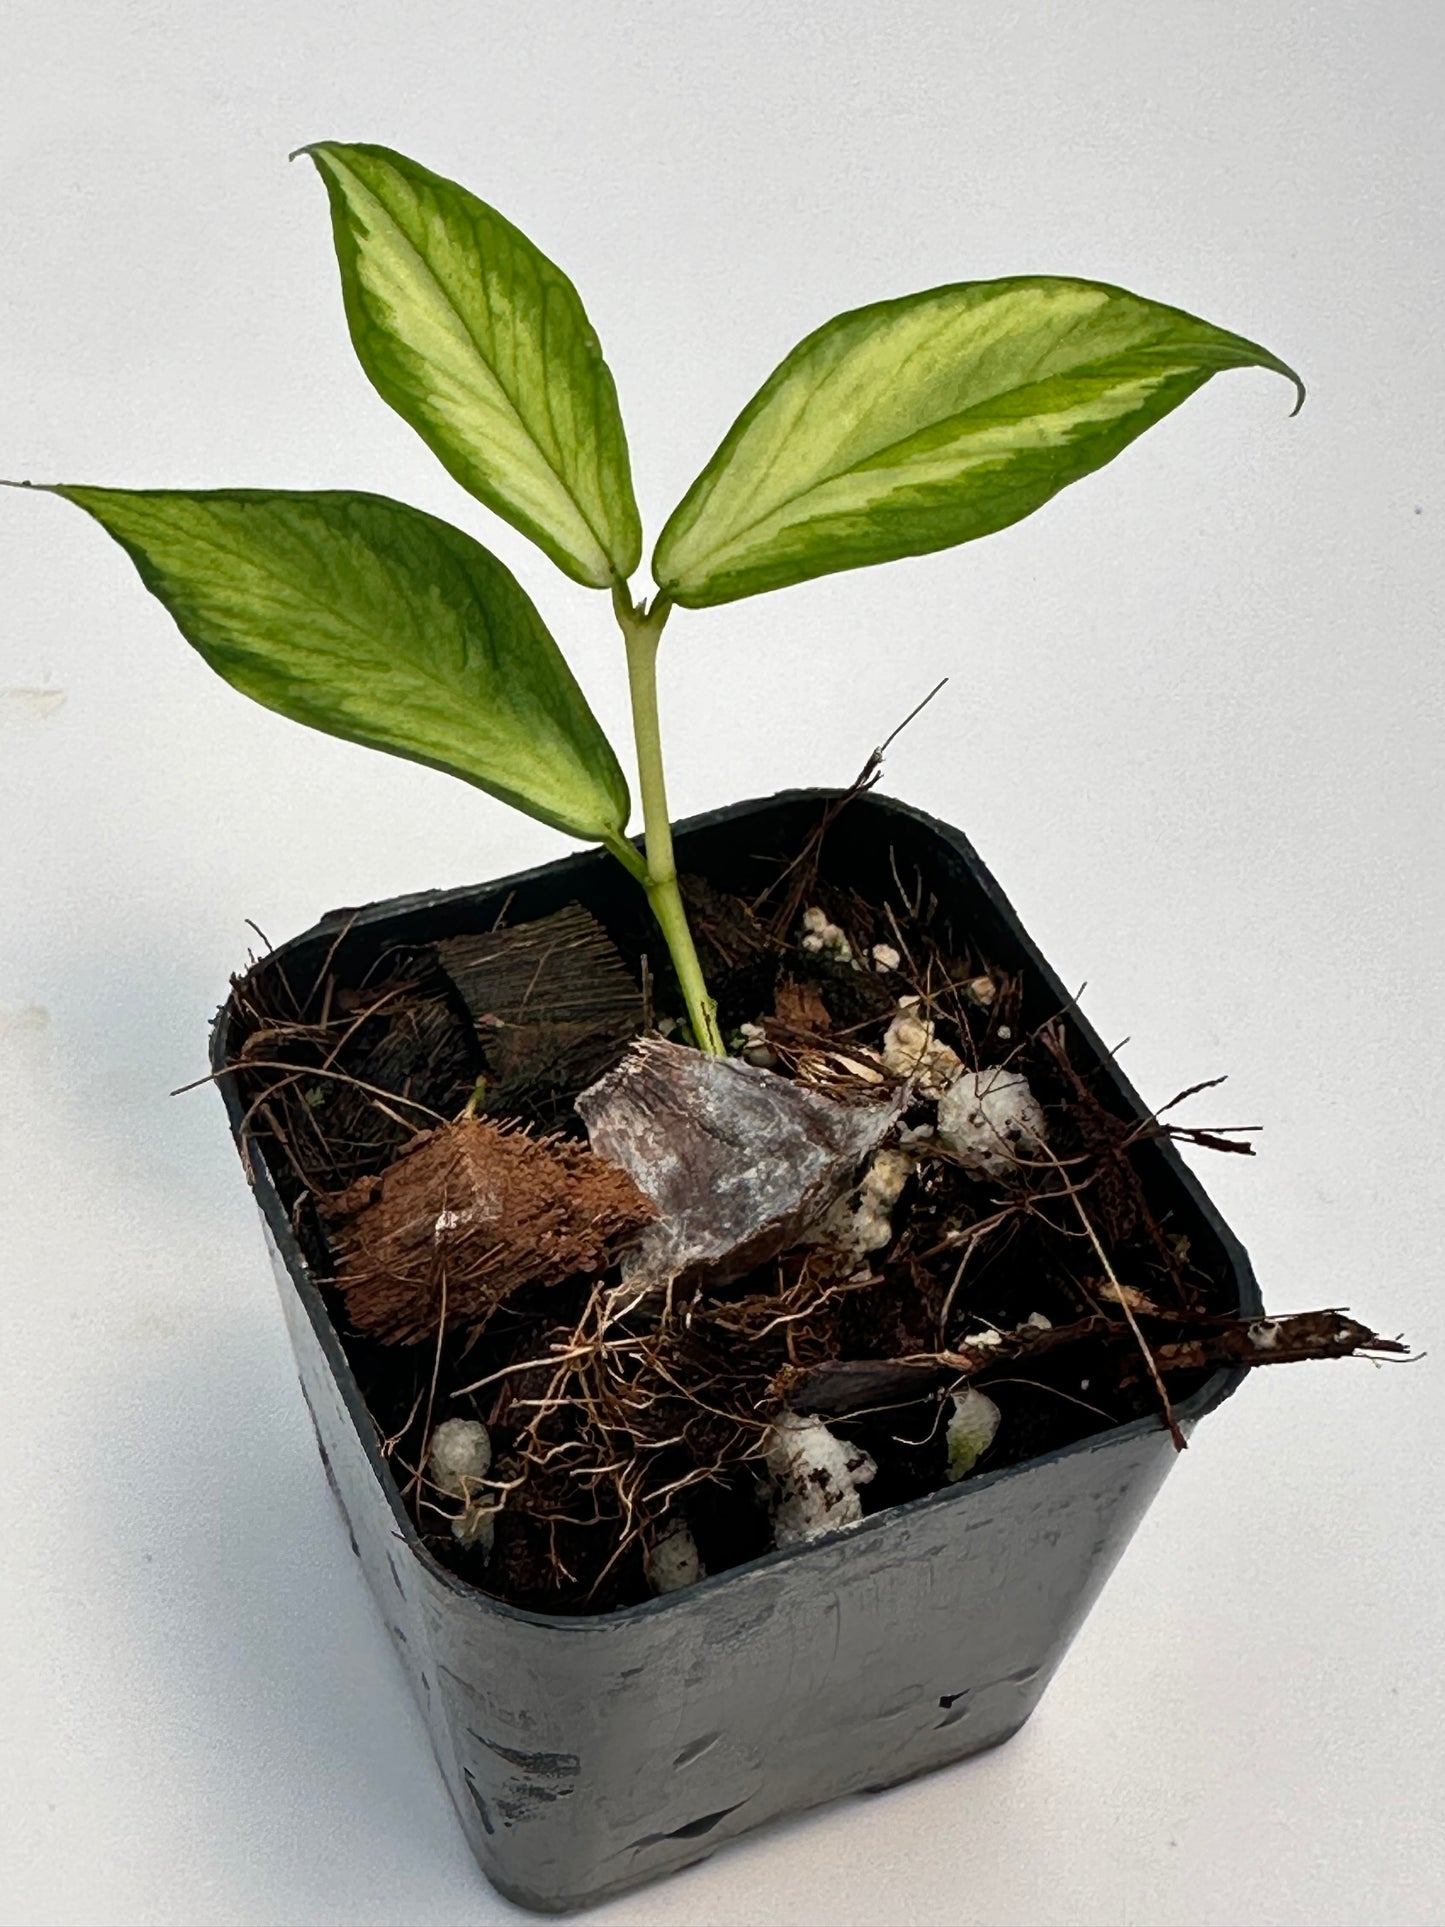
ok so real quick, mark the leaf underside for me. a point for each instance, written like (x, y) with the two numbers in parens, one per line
(914, 424)
(482, 345)
(375, 622)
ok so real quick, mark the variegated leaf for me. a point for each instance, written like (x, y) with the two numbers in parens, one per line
(918, 423)
(372, 621)
(479, 342)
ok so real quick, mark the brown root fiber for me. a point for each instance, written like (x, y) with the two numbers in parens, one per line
(468, 1215)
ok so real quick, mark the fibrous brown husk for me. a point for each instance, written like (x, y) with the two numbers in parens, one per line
(471, 1213)
(357, 1070)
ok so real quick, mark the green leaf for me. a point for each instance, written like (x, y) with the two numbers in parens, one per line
(482, 345)
(371, 621)
(914, 424)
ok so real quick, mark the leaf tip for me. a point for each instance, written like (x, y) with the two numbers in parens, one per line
(62, 489)
(314, 152)
(1278, 367)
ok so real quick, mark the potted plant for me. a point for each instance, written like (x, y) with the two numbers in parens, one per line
(696, 1475)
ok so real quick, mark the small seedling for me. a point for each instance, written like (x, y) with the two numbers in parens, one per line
(893, 430)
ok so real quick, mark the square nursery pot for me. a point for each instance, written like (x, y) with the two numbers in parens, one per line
(587, 1755)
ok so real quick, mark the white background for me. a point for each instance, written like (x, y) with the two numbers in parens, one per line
(1194, 725)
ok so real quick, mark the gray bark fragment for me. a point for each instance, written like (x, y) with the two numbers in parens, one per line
(738, 1161)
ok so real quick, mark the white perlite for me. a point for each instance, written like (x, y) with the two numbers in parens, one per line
(885, 957)
(461, 1452)
(910, 1049)
(460, 1458)
(971, 1432)
(864, 1222)
(991, 1120)
(672, 1560)
(815, 1479)
(821, 938)
(756, 1048)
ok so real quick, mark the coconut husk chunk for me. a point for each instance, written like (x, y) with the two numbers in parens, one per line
(469, 1215)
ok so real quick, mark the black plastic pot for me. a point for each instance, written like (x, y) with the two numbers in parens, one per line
(586, 1755)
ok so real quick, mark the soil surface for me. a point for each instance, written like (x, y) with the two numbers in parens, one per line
(416, 1109)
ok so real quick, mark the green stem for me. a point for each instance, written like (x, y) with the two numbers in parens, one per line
(641, 630)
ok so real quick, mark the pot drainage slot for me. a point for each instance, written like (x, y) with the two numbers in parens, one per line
(694, 1830)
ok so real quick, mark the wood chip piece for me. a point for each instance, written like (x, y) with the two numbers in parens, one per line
(553, 1003)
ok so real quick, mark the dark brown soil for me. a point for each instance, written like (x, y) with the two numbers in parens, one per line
(604, 1425)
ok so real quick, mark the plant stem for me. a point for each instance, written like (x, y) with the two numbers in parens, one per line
(641, 630)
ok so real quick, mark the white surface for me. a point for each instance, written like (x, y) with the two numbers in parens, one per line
(1223, 655)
